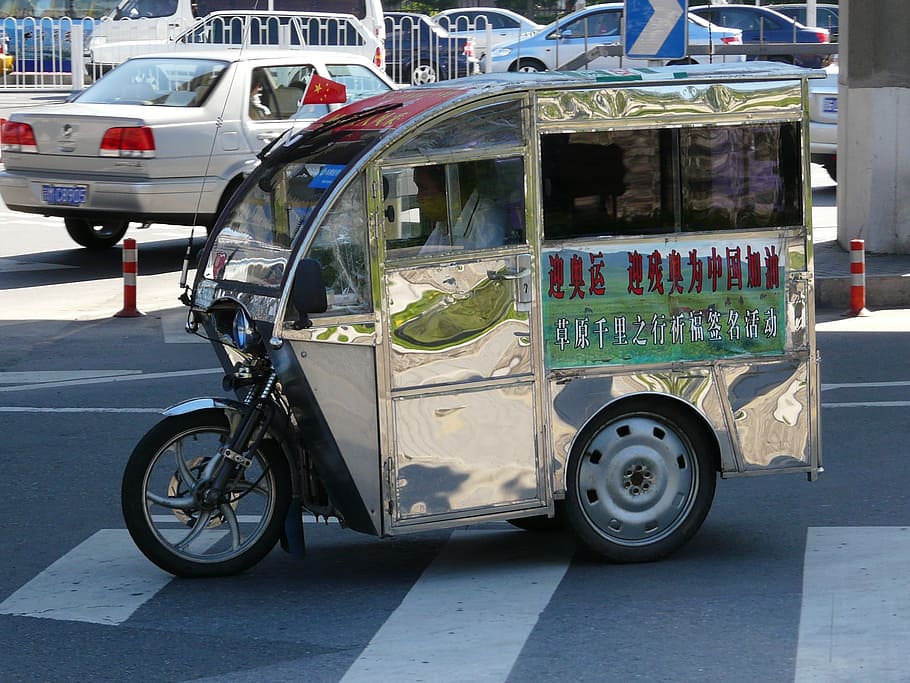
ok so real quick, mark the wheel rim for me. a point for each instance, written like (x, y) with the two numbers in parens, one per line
(637, 480)
(206, 536)
(528, 69)
(423, 74)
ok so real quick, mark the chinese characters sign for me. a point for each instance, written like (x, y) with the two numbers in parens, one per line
(652, 303)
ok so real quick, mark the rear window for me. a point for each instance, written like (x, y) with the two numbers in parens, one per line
(164, 82)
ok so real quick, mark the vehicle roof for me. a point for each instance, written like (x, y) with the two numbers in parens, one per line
(398, 107)
(255, 52)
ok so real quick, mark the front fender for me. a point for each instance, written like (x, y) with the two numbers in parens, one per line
(203, 403)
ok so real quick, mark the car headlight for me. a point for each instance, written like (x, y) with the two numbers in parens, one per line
(502, 52)
(243, 332)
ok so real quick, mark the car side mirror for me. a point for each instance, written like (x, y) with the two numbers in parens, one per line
(308, 291)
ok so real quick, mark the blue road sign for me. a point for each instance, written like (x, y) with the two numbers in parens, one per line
(656, 29)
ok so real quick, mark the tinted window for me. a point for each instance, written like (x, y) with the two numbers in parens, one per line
(161, 82)
(639, 182)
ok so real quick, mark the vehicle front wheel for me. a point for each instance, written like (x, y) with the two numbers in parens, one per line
(162, 498)
(93, 236)
(640, 482)
(425, 72)
(530, 66)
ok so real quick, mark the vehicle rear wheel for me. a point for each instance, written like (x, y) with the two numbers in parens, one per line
(92, 236)
(425, 72)
(530, 66)
(639, 483)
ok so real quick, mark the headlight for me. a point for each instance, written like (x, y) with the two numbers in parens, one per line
(502, 52)
(243, 332)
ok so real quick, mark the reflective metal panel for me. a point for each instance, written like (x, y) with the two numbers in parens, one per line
(343, 377)
(692, 100)
(452, 323)
(468, 451)
(771, 418)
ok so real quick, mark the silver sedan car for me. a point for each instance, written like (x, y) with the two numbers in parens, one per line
(166, 138)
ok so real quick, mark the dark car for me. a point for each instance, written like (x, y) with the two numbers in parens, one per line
(825, 15)
(418, 50)
(763, 25)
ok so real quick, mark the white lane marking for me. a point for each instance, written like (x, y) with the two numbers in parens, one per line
(470, 613)
(868, 404)
(103, 580)
(865, 385)
(36, 409)
(855, 618)
(118, 378)
(41, 376)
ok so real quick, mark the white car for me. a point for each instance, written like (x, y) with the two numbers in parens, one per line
(166, 138)
(560, 44)
(823, 120)
(501, 25)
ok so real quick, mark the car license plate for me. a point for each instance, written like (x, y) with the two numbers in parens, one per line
(66, 195)
(829, 105)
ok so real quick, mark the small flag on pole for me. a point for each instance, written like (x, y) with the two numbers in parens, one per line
(324, 91)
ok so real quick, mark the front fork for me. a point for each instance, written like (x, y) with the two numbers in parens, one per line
(250, 427)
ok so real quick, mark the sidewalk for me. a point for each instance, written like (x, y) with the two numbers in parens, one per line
(887, 275)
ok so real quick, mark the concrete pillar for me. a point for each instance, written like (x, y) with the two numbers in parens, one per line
(873, 136)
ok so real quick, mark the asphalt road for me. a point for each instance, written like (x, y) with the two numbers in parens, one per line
(787, 580)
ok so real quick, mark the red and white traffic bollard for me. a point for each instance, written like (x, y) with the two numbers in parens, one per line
(130, 270)
(858, 278)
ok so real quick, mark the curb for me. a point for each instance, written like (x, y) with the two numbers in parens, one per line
(882, 291)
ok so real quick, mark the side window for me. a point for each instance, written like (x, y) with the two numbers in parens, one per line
(276, 93)
(446, 208)
(641, 182)
(340, 246)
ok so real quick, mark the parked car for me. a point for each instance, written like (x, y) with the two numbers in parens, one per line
(823, 120)
(826, 16)
(763, 25)
(142, 143)
(570, 37)
(474, 22)
(418, 50)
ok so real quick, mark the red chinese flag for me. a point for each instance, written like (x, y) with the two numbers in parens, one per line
(323, 91)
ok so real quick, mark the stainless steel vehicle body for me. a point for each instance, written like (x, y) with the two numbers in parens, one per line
(630, 335)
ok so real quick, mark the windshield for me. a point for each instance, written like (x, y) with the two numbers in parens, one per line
(254, 238)
(148, 9)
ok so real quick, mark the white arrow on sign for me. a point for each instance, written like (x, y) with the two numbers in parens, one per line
(655, 32)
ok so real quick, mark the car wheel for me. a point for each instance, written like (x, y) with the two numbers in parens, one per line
(682, 62)
(92, 236)
(530, 66)
(425, 72)
(639, 482)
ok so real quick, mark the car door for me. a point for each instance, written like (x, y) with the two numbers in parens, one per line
(575, 38)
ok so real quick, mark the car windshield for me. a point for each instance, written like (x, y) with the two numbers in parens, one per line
(164, 82)
(254, 241)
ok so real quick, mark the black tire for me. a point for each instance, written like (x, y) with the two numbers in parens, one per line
(90, 236)
(530, 66)
(244, 528)
(682, 62)
(640, 482)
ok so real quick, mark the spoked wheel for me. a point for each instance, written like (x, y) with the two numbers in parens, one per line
(530, 66)
(92, 236)
(425, 72)
(639, 483)
(165, 513)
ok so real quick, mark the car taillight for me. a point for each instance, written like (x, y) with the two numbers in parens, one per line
(823, 36)
(17, 137)
(135, 141)
(377, 58)
(731, 40)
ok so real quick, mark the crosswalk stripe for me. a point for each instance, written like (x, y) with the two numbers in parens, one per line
(855, 618)
(470, 613)
(103, 580)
